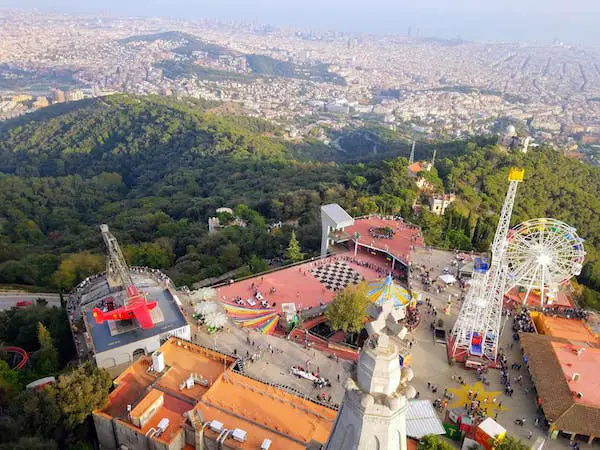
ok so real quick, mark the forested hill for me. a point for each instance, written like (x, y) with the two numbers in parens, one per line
(137, 137)
(554, 186)
(155, 169)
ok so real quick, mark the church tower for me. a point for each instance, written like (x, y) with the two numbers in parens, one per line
(373, 413)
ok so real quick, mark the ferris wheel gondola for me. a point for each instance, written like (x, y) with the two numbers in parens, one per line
(543, 254)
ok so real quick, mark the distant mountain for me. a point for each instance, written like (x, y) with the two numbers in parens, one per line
(261, 65)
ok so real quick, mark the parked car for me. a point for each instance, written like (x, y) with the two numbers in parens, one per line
(24, 303)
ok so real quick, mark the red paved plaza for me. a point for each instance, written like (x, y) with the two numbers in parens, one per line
(405, 236)
(297, 284)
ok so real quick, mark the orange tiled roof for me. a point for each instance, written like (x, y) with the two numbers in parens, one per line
(416, 167)
(263, 411)
(268, 407)
(145, 403)
(572, 329)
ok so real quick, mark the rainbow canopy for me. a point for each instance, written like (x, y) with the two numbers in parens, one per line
(383, 289)
(263, 320)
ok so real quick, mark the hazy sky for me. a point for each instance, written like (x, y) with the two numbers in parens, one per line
(573, 21)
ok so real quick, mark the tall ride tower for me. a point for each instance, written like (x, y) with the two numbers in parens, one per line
(477, 328)
(117, 271)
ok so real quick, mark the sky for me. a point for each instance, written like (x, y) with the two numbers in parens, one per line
(570, 21)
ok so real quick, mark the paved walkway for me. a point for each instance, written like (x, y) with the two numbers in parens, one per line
(276, 357)
(430, 360)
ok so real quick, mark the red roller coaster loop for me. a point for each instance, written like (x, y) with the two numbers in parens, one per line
(19, 351)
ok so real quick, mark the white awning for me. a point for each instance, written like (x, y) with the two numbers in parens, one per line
(422, 419)
(447, 278)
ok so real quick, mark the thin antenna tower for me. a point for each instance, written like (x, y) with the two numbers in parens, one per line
(411, 158)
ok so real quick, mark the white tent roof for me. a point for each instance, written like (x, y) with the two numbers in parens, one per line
(206, 308)
(204, 294)
(491, 427)
(447, 278)
(422, 419)
(337, 215)
(216, 319)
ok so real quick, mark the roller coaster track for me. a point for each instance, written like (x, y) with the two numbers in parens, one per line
(19, 351)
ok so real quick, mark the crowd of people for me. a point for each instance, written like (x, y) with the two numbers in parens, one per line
(522, 323)
(567, 313)
(381, 232)
(505, 374)
(412, 319)
(157, 274)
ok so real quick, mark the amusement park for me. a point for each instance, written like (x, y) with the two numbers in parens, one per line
(474, 347)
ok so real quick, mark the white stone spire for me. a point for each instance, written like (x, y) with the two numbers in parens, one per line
(373, 413)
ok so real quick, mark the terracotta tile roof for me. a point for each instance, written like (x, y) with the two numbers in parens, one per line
(269, 408)
(573, 329)
(416, 167)
(237, 401)
(553, 389)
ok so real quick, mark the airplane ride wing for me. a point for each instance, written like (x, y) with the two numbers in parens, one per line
(142, 314)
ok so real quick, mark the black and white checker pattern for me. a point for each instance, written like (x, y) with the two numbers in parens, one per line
(336, 275)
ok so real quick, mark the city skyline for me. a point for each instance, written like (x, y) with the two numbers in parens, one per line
(535, 21)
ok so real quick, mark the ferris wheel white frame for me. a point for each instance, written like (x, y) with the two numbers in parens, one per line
(542, 254)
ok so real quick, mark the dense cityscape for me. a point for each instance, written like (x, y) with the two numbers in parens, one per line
(429, 87)
(223, 235)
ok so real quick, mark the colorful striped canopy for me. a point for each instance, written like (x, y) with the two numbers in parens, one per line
(263, 320)
(383, 289)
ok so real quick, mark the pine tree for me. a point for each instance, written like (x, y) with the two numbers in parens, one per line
(293, 252)
(476, 233)
(47, 357)
(467, 227)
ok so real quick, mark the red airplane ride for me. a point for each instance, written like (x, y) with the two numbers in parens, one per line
(137, 307)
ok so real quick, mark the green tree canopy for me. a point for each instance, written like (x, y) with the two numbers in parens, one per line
(433, 442)
(293, 252)
(349, 308)
(46, 358)
(80, 392)
(590, 274)
(36, 413)
(230, 256)
(19, 327)
(9, 383)
(75, 267)
(149, 255)
(512, 443)
(257, 264)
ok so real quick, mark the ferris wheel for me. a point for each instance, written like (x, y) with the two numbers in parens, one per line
(541, 255)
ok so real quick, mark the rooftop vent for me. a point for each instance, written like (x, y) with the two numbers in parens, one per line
(239, 435)
(266, 444)
(575, 376)
(158, 361)
(216, 426)
(162, 426)
(579, 395)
